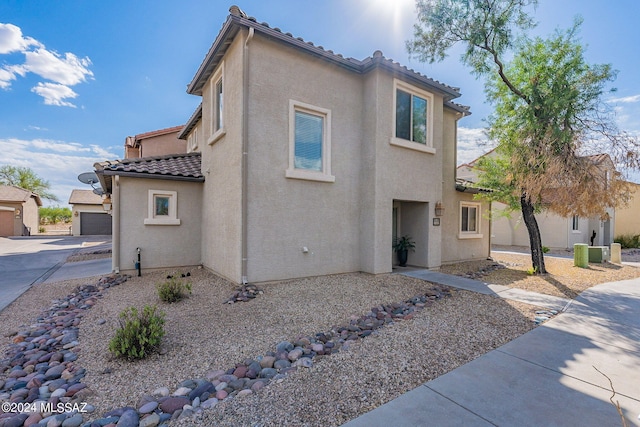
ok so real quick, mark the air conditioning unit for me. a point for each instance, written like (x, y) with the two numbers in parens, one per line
(599, 254)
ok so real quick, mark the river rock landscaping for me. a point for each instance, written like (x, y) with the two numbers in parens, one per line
(154, 391)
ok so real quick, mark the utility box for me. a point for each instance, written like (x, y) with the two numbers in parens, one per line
(599, 254)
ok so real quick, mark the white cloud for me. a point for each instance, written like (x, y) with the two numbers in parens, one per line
(626, 99)
(62, 71)
(58, 162)
(11, 39)
(472, 143)
(68, 70)
(55, 94)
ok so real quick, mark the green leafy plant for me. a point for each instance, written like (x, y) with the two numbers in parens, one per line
(403, 243)
(628, 241)
(42, 230)
(531, 271)
(139, 333)
(173, 290)
(545, 249)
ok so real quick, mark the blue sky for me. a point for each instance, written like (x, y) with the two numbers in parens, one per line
(77, 77)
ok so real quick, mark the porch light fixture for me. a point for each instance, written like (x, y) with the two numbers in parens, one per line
(439, 209)
(106, 203)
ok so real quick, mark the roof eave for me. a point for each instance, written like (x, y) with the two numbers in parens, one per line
(153, 176)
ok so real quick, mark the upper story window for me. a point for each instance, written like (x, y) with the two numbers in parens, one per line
(216, 102)
(412, 118)
(192, 140)
(309, 142)
(469, 220)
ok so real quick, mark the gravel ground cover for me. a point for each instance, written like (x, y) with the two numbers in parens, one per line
(204, 334)
(563, 280)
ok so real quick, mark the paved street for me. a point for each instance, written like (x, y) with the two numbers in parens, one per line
(25, 261)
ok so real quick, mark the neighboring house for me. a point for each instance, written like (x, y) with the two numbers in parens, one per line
(19, 215)
(556, 231)
(155, 143)
(628, 217)
(88, 215)
(301, 163)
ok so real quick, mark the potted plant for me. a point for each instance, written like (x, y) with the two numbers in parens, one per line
(402, 245)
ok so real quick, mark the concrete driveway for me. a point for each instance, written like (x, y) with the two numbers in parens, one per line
(25, 261)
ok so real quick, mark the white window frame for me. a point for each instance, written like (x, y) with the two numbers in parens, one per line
(405, 143)
(477, 234)
(216, 111)
(292, 172)
(192, 140)
(172, 218)
(575, 224)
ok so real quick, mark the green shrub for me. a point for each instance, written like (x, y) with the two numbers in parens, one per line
(139, 333)
(42, 230)
(628, 241)
(545, 249)
(173, 289)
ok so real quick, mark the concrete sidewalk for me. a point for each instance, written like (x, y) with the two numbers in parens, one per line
(546, 377)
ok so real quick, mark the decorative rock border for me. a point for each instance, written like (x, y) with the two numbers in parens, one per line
(244, 293)
(41, 359)
(42, 369)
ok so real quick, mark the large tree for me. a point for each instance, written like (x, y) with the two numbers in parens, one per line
(27, 179)
(549, 115)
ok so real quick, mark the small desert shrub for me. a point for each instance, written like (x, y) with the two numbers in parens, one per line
(173, 289)
(42, 230)
(139, 333)
(545, 249)
(531, 271)
(628, 240)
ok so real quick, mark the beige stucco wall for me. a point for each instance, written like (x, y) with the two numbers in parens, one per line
(80, 208)
(346, 225)
(162, 145)
(30, 216)
(628, 217)
(162, 246)
(222, 168)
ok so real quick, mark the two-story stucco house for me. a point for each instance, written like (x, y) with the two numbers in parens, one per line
(301, 162)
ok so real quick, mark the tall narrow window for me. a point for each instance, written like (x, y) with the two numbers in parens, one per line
(218, 105)
(309, 142)
(575, 223)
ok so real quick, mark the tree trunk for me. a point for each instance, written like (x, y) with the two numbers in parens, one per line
(535, 239)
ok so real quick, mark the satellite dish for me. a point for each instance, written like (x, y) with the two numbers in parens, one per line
(88, 178)
(98, 191)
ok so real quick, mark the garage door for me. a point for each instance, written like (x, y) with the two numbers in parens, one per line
(6, 223)
(95, 223)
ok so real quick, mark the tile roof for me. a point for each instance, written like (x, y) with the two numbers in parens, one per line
(84, 197)
(10, 193)
(185, 167)
(238, 19)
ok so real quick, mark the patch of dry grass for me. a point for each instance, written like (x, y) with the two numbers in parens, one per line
(563, 278)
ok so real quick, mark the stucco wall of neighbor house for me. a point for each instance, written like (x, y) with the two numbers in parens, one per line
(31, 215)
(162, 246)
(222, 168)
(159, 145)
(79, 208)
(628, 217)
(286, 215)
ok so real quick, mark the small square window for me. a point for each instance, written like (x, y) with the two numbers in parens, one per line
(309, 143)
(163, 208)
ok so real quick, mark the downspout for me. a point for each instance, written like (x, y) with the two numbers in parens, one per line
(115, 206)
(245, 147)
